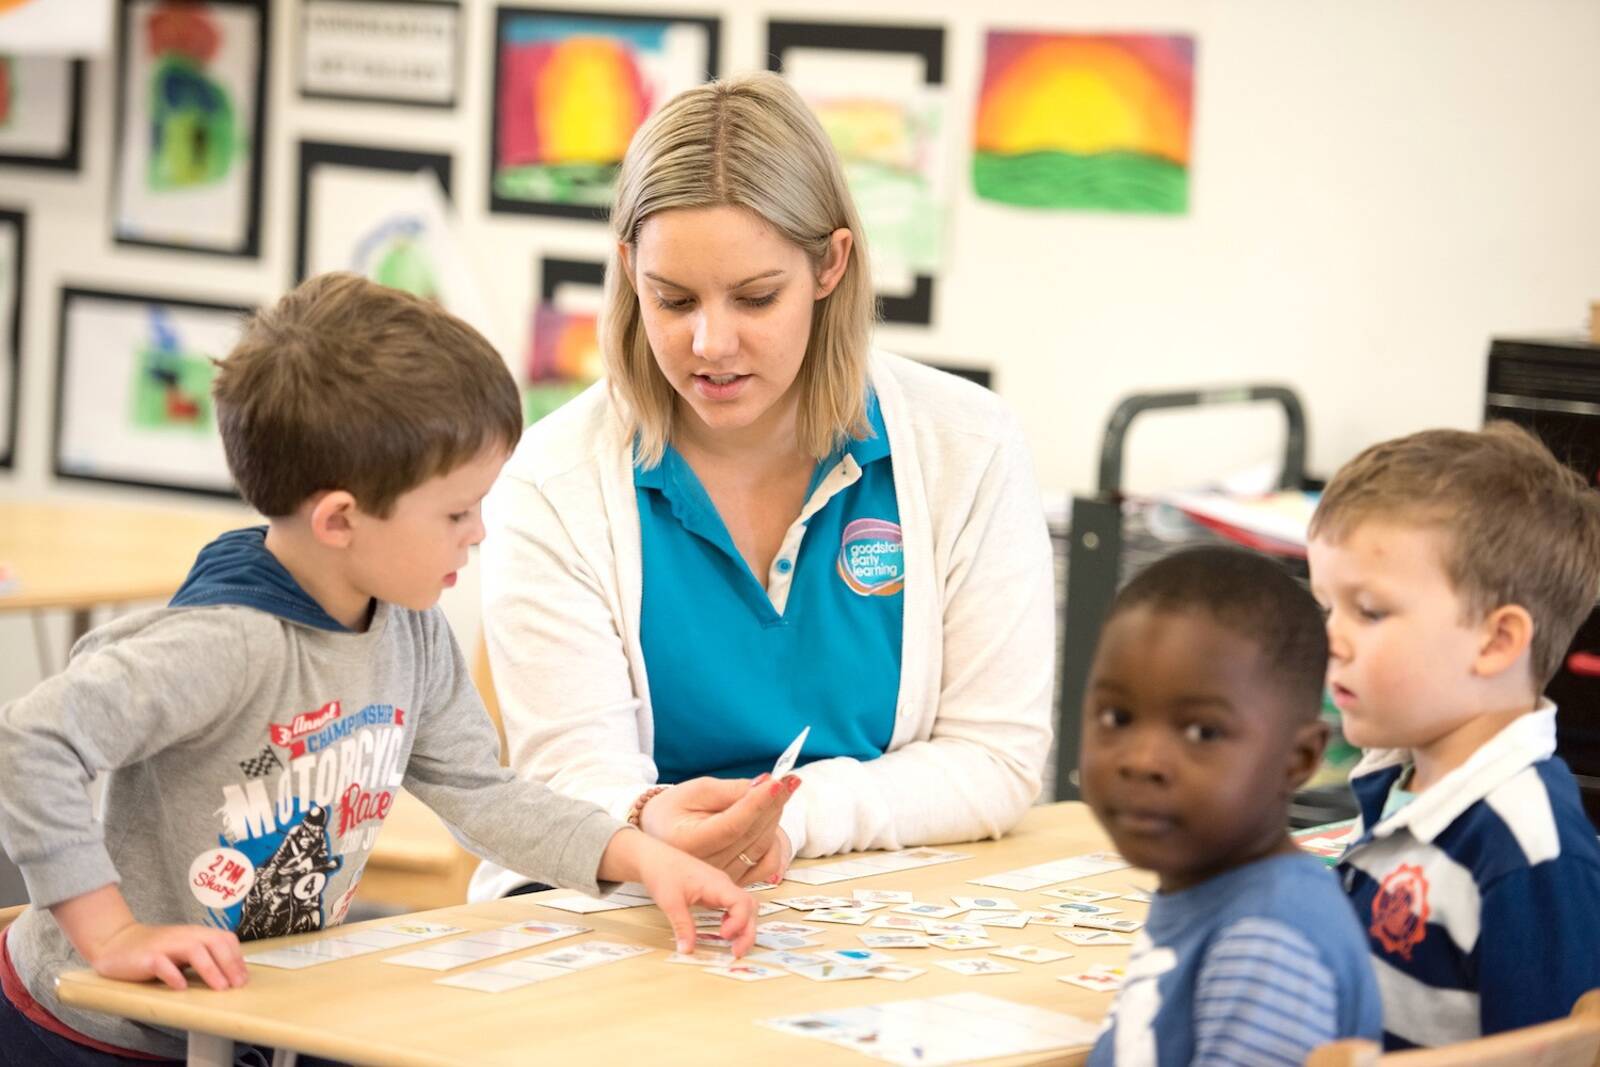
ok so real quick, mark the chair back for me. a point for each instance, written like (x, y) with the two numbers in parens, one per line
(1570, 1042)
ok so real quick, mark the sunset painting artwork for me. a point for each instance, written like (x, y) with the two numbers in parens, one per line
(570, 92)
(1089, 122)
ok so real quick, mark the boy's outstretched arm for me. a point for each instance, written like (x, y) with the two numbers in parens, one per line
(105, 933)
(677, 881)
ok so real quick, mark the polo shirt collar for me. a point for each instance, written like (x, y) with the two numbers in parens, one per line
(873, 447)
(1524, 741)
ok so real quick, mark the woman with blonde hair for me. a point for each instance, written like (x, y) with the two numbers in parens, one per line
(757, 524)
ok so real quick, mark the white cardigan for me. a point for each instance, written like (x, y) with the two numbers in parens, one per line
(562, 580)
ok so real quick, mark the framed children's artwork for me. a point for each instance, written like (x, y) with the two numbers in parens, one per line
(133, 394)
(13, 254)
(879, 93)
(564, 347)
(380, 51)
(41, 111)
(1091, 122)
(385, 214)
(191, 92)
(570, 88)
(358, 211)
(56, 27)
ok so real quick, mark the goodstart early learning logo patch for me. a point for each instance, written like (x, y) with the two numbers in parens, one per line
(872, 558)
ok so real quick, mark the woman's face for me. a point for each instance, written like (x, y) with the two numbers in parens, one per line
(727, 302)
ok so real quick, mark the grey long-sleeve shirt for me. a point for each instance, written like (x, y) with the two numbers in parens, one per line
(250, 761)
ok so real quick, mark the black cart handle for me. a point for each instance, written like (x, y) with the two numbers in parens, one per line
(1122, 416)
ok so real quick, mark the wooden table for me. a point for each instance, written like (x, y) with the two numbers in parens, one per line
(78, 556)
(640, 1010)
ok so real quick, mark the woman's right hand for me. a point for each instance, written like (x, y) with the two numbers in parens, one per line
(731, 823)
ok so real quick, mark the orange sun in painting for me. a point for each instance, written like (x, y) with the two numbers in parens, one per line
(1085, 95)
(591, 101)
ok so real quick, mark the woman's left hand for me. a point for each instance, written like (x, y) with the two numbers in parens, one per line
(731, 824)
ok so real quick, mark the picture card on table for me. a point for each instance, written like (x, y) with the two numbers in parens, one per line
(351, 943)
(941, 1030)
(872, 864)
(485, 944)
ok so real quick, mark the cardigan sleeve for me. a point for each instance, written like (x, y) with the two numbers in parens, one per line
(978, 769)
(551, 620)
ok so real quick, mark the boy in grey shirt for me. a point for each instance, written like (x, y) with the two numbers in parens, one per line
(253, 734)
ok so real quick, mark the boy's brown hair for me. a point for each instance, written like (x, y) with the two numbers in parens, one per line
(1520, 527)
(347, 384)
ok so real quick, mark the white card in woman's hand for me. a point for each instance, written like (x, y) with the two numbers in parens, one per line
(785, 762)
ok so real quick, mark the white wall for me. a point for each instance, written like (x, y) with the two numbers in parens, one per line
(1377, 188)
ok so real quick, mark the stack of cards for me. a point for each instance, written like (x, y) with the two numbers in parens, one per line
(353, 942)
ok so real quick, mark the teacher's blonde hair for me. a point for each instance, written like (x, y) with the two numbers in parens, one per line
(747, 141)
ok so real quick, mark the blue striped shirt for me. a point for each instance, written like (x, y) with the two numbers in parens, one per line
(1256, 966)
(1479, 896)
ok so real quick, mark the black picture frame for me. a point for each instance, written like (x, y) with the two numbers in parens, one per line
(17, 220)
(249, 246)
(70, 157)
(499, 203)
(554, 272)
(69, 294)
(926, 42)
(314, 154)
(457, 56)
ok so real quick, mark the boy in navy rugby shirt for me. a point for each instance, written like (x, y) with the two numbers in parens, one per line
(1454, 568)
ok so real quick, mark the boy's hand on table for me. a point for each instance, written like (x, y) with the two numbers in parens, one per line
(103, 930)
(677, 882)
(138, 952)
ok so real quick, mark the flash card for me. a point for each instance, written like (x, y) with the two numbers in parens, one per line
(846, 916)
(882, 896)
(977, 967)
(1100, 922)
(1031, 954)
(747, 972)
(957, 942)
(816, 903)
(927, 911)
(1082, 896)
(785, 762)
(1092, 937)
(986, 903)
(1076, 908)
(857, 955)
(1095, 980)
(894, 940)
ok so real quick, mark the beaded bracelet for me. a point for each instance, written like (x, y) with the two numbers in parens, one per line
(637, 811)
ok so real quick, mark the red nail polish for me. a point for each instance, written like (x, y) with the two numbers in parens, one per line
(776, 788)
(794, 783)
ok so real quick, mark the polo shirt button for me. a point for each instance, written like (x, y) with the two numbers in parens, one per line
(784, 566)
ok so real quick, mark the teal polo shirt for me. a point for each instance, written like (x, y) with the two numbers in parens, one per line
(737, 670)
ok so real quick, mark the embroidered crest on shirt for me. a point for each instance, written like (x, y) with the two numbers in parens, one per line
(1400, 910)
(872, 558)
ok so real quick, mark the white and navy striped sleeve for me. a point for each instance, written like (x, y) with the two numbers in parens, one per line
(1263, 998)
